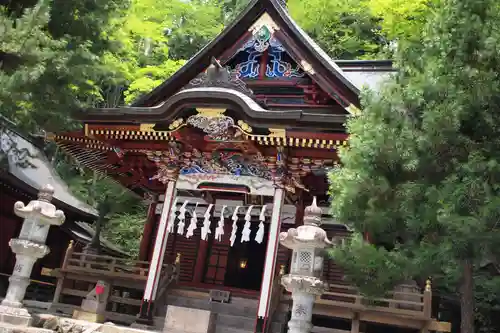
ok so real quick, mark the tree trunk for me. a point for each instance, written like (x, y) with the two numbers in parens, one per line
(467, 298)
(95, 243)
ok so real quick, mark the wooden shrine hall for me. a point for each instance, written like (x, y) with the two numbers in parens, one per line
(231, 149)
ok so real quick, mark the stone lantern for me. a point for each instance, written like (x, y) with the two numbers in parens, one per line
(308, 243)
(30, 246)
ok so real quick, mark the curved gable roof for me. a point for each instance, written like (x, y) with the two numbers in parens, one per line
(38, 171)
(327, 73)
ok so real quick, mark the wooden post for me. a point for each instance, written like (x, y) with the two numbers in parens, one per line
(427, 299)
(60, 279)
(147, 233)
(112, 265)
(355, 323)
(427, 304)
(67, 255)
(177, 268)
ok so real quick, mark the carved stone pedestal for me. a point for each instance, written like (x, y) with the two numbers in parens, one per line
(14, 315)
(38, 216)
(301, 313)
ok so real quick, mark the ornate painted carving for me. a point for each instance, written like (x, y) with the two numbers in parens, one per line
(250, 67)
(219, 127)
(166, 161)
(218, 76)
(225, 162)
(166, 173)
(276, 67)
(168, 157)
(257, 186)
(213, 122)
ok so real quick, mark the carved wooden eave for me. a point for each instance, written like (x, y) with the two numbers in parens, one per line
(249, 110)
(301, 47)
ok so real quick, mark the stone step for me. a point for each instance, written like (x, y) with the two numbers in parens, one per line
(244, 323)
(224, 329)
(221, 329)
(244, 309)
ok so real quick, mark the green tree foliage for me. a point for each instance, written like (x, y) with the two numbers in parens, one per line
(232, 8)
(153, 40)
(194, 24)
(421, 173)
(401, 18)
(345, 29)
(58, 69)
(121, 213)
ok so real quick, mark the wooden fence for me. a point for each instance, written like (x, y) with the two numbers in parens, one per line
(411, 302)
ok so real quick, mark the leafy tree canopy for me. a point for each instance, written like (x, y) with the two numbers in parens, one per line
(421, 173)
(345, 29)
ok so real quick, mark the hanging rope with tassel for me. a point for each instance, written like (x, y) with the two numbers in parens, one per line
(192, 224)
(259, 237)
(182, 217)
(245, 234)
(219, 232)
(205, 230)
(235, 225)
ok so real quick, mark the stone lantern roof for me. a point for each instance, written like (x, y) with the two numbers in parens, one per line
(312, 214)
(309, 234)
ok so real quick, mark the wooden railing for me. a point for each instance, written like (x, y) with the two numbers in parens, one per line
(413, 304)
(276, 293)
(107, 266)
(127, 278)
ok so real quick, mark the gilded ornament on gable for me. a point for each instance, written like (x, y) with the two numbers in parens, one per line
(147, 127)
(176, 124)
(307, 67)
(244, 126)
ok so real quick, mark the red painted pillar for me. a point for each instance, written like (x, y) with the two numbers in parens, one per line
(200, 261)
(147, 233)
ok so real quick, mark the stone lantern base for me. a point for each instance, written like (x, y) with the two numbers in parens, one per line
(15, 316)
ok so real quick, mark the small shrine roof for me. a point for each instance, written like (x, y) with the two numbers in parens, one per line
(28, 163)
(84, 233)
(367, 74)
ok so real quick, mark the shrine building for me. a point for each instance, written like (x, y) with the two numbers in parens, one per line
(230, 150)
(24, 171)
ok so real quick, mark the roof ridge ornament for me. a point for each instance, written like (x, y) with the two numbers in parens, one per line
(217, 76)
(265, 20)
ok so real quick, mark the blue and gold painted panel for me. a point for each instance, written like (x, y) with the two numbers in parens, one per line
(247, 62)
